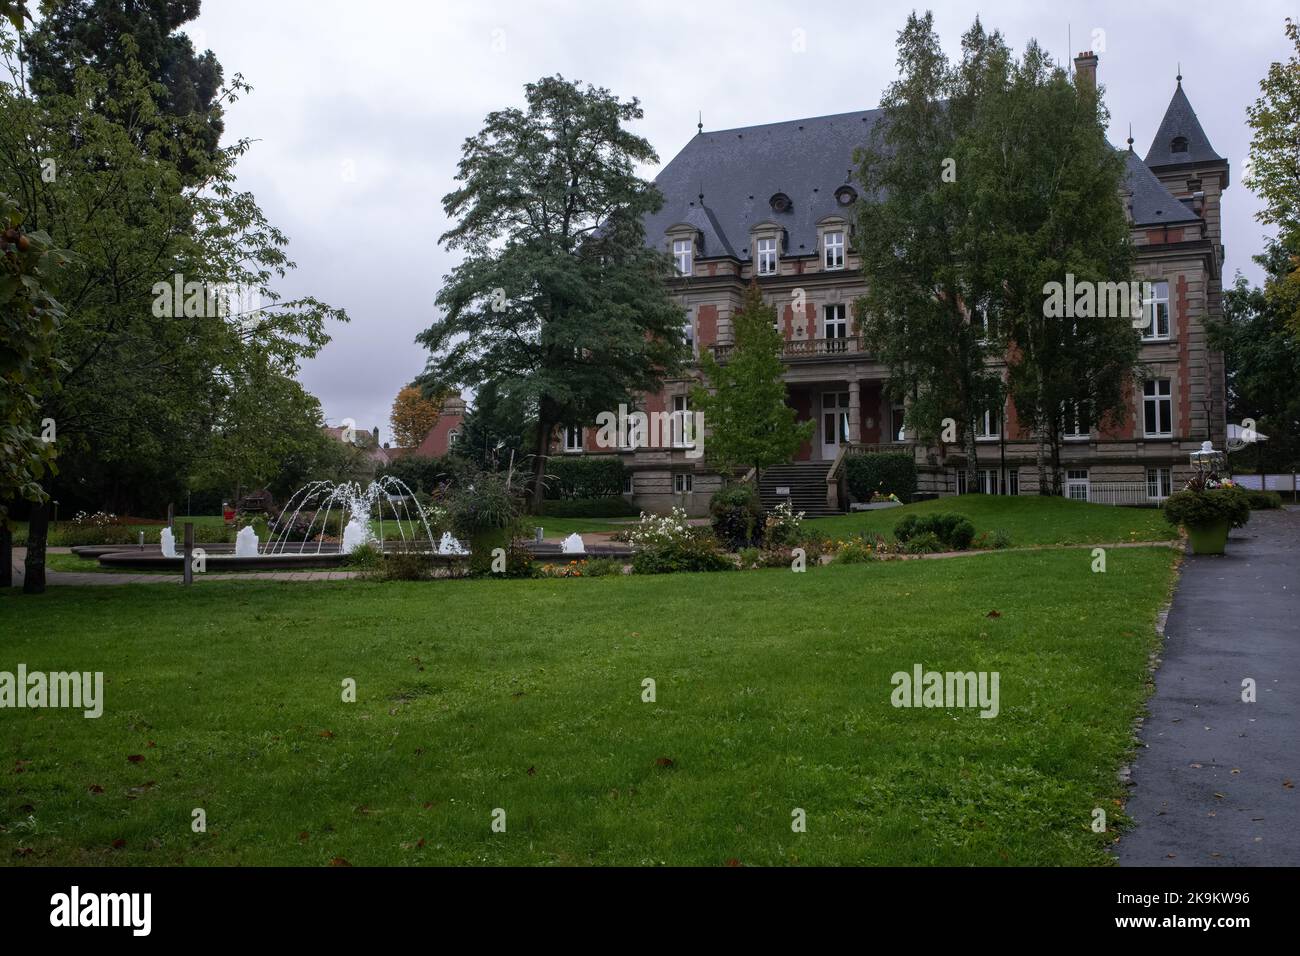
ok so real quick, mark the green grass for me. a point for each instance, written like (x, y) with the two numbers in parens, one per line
(1030, 520)
(64, 533)
(772, 693)
(555, 527)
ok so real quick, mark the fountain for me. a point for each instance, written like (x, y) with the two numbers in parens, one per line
(168, 543)
(573, 544)
(449, 545)
(246, 543)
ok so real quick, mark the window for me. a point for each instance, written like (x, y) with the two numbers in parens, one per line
(1157, 408)
(899, 425)
(961, 481)
(1178, 145)
(683, 482)
(688, 332)
(628, 487)
(1076, 484)
(682, 255)
(1156, 308)
(988, 427)
(988, 481)
(835, 328)
(766, 258)
(573, 438)
(1159, 484)
(833, 245)
(680, 424)
(983, 319)
(1074, 422)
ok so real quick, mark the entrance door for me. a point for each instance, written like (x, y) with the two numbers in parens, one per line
(835, 423)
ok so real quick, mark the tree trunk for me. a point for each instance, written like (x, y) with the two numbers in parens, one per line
(1039, 459)
(972, 457)
(540, 448)
(6, 555)
(38, 528)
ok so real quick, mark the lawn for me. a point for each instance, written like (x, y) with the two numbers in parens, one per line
(773, 693)
(1029, 519)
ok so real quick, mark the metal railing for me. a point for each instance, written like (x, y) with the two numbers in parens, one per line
(805, 348)
(1122, 493)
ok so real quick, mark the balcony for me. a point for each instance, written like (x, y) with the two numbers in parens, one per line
(796, 350)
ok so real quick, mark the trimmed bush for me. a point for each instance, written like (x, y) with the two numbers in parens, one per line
(609, 507)
(953, 530)
(596, 477)
(737, 514)
(925, 542)
(695, 551)
(1263, 500)
(1194, 509)
(885, 473)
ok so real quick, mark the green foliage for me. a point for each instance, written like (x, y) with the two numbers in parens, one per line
(783, 526)
(886, 473)
(425, 475)
(597, 476)
(749, 424)
(557, 297)
(29, 322)
(859, 550)
(696, 550)
(482, 503)
(612, 507)
(992, 540)
(925, 542)
(953, 530)
(1263, 500)
(603, 567)
(365, 558)
(1194, 509)
(737, 516)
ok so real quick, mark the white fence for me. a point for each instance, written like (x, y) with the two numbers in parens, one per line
(1122, 493)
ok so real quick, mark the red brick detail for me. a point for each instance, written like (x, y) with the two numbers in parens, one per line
(1183, 319)
(1012, 426)
(787, 322)
(435, 443)
(706, 325)
(713, 268)
(1108, 428)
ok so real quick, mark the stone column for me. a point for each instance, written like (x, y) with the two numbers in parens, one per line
(855, 410)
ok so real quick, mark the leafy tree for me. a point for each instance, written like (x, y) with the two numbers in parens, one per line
(915, 314)
(496, 430)
(107, 34)
(558, 299)
(748, 422)
(413, 415)
(1263, 363)
(1044, 192)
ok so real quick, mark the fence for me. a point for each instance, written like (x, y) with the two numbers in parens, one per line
(1123, 493)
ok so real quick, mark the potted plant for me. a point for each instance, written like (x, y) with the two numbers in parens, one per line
(1209, 506)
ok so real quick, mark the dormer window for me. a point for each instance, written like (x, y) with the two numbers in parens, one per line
(683, 256)
(1179, 145)
(780, 202)
(765, 257)
(845, 195)
(833, 250)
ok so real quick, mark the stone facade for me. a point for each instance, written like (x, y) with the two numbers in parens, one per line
(791, 243)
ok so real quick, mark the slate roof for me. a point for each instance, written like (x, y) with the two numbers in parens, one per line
(1180, 120)
(1152, 203)
(739, 170)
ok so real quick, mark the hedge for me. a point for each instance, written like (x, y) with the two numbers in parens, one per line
(889, 473)
(607, 507)
(597, 477)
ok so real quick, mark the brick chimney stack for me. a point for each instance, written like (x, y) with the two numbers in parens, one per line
(1085, 68)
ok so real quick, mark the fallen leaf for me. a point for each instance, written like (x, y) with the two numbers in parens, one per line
(734, 862)
(304, 836)
(664, 762)
(325, 733)
(96, 788)
(339, 861)
(994, 613)
(531, 771)
(119, 844)
(136, 758)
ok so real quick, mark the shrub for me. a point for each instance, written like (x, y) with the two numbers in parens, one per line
(856, 550)
(595, 477)
(604, 567)
(406, 563)
(1263, 500)
(367, 558)
(1194, 509)
(784, 526)
(696, 550)
(953, 530)
(995, 540)
(608, 507)
(884, 473)
(423, 475)
(924, 542)
(737, 516)
(750, 557)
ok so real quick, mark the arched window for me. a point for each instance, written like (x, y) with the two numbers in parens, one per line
(1179, 145)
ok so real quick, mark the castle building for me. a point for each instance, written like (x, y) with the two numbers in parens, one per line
(775, 203)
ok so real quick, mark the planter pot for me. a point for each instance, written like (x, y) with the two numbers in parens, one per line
(1209, 538)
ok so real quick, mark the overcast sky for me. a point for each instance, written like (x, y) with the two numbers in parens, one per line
(360, 111)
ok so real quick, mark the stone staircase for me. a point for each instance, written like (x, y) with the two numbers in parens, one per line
(807, 483)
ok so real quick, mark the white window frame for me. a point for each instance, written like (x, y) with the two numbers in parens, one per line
(1073, 430)
(765, 258)
(1076, 480)
(833, 250)
(835, 317)
(683, 483)
(572, 439)
(452, 436)
(688, 331)
(983, 319)
(1152, 398)
(1156, 308)
(680, 423)
(988, 427)
(684, 256)
(1160, 483)
(629, 483)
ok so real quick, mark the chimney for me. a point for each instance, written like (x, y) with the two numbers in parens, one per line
(1085, 69)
